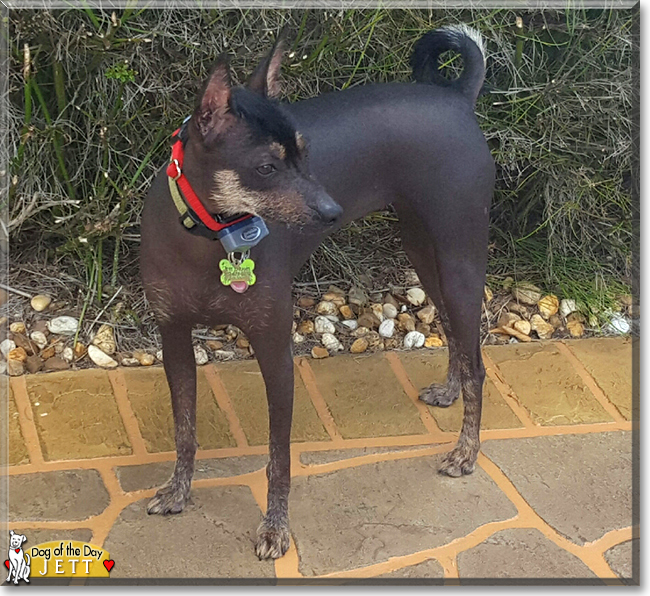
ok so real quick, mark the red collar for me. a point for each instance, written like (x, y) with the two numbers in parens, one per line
(203, 218)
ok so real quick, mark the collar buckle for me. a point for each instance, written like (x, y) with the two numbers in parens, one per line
(179, 173)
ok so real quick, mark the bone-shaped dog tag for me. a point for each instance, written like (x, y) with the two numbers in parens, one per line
(237, 276)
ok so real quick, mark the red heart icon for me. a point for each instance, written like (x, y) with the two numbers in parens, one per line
(108, 563)
(7, 564)
(17, 550)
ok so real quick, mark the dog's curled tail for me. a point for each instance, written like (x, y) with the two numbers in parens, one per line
(460, 38)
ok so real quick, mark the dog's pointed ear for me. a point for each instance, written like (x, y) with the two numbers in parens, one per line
(212, 110)
(265, 79)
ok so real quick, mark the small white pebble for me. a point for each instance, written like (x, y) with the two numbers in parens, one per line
(390, 310)
(324, 325)
(413, 339)
(387, 328)
(331, 343)
(416, 296)
(200, 355)
(6, 346)
(298, 338)
(67, 354)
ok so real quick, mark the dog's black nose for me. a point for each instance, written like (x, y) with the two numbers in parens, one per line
(329, 210)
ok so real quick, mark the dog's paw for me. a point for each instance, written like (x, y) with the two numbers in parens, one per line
(170, 498)
(439, 395)
(458, 462)
(272, 540)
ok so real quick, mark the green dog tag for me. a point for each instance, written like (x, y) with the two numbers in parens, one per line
(237, 276)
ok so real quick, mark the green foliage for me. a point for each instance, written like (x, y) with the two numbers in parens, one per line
(93, 104)
(121, 72)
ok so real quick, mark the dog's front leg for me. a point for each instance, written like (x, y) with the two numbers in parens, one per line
(276, 364)
(180, 368)
(19, 571)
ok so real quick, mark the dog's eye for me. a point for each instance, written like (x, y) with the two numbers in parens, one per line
(266, 170)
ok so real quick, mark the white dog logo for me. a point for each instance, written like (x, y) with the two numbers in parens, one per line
(17, 563)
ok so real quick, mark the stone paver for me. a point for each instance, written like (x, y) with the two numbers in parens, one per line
(609, 361)
(580, 484)
(361, 516)
(148, 476)
(50, 496)
(17, 452)
(374, 404)
(212, 538)
(424, 368)
(520, 554)
(621, 558)
(245, 386)
(76, 415)
(39, 536)
(578, 481)
(149, 395)
(314, 458)
(546, 384)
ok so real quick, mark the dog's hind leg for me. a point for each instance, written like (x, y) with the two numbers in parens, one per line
(448, 248)
(180, 368)
(439, 394)
(272, 346)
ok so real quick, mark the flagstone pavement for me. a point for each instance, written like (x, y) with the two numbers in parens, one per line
(551, 499)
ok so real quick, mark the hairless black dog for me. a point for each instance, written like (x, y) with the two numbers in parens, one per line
(306, 169)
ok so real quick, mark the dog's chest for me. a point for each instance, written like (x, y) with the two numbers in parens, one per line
(16, 554)
(208, 301)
